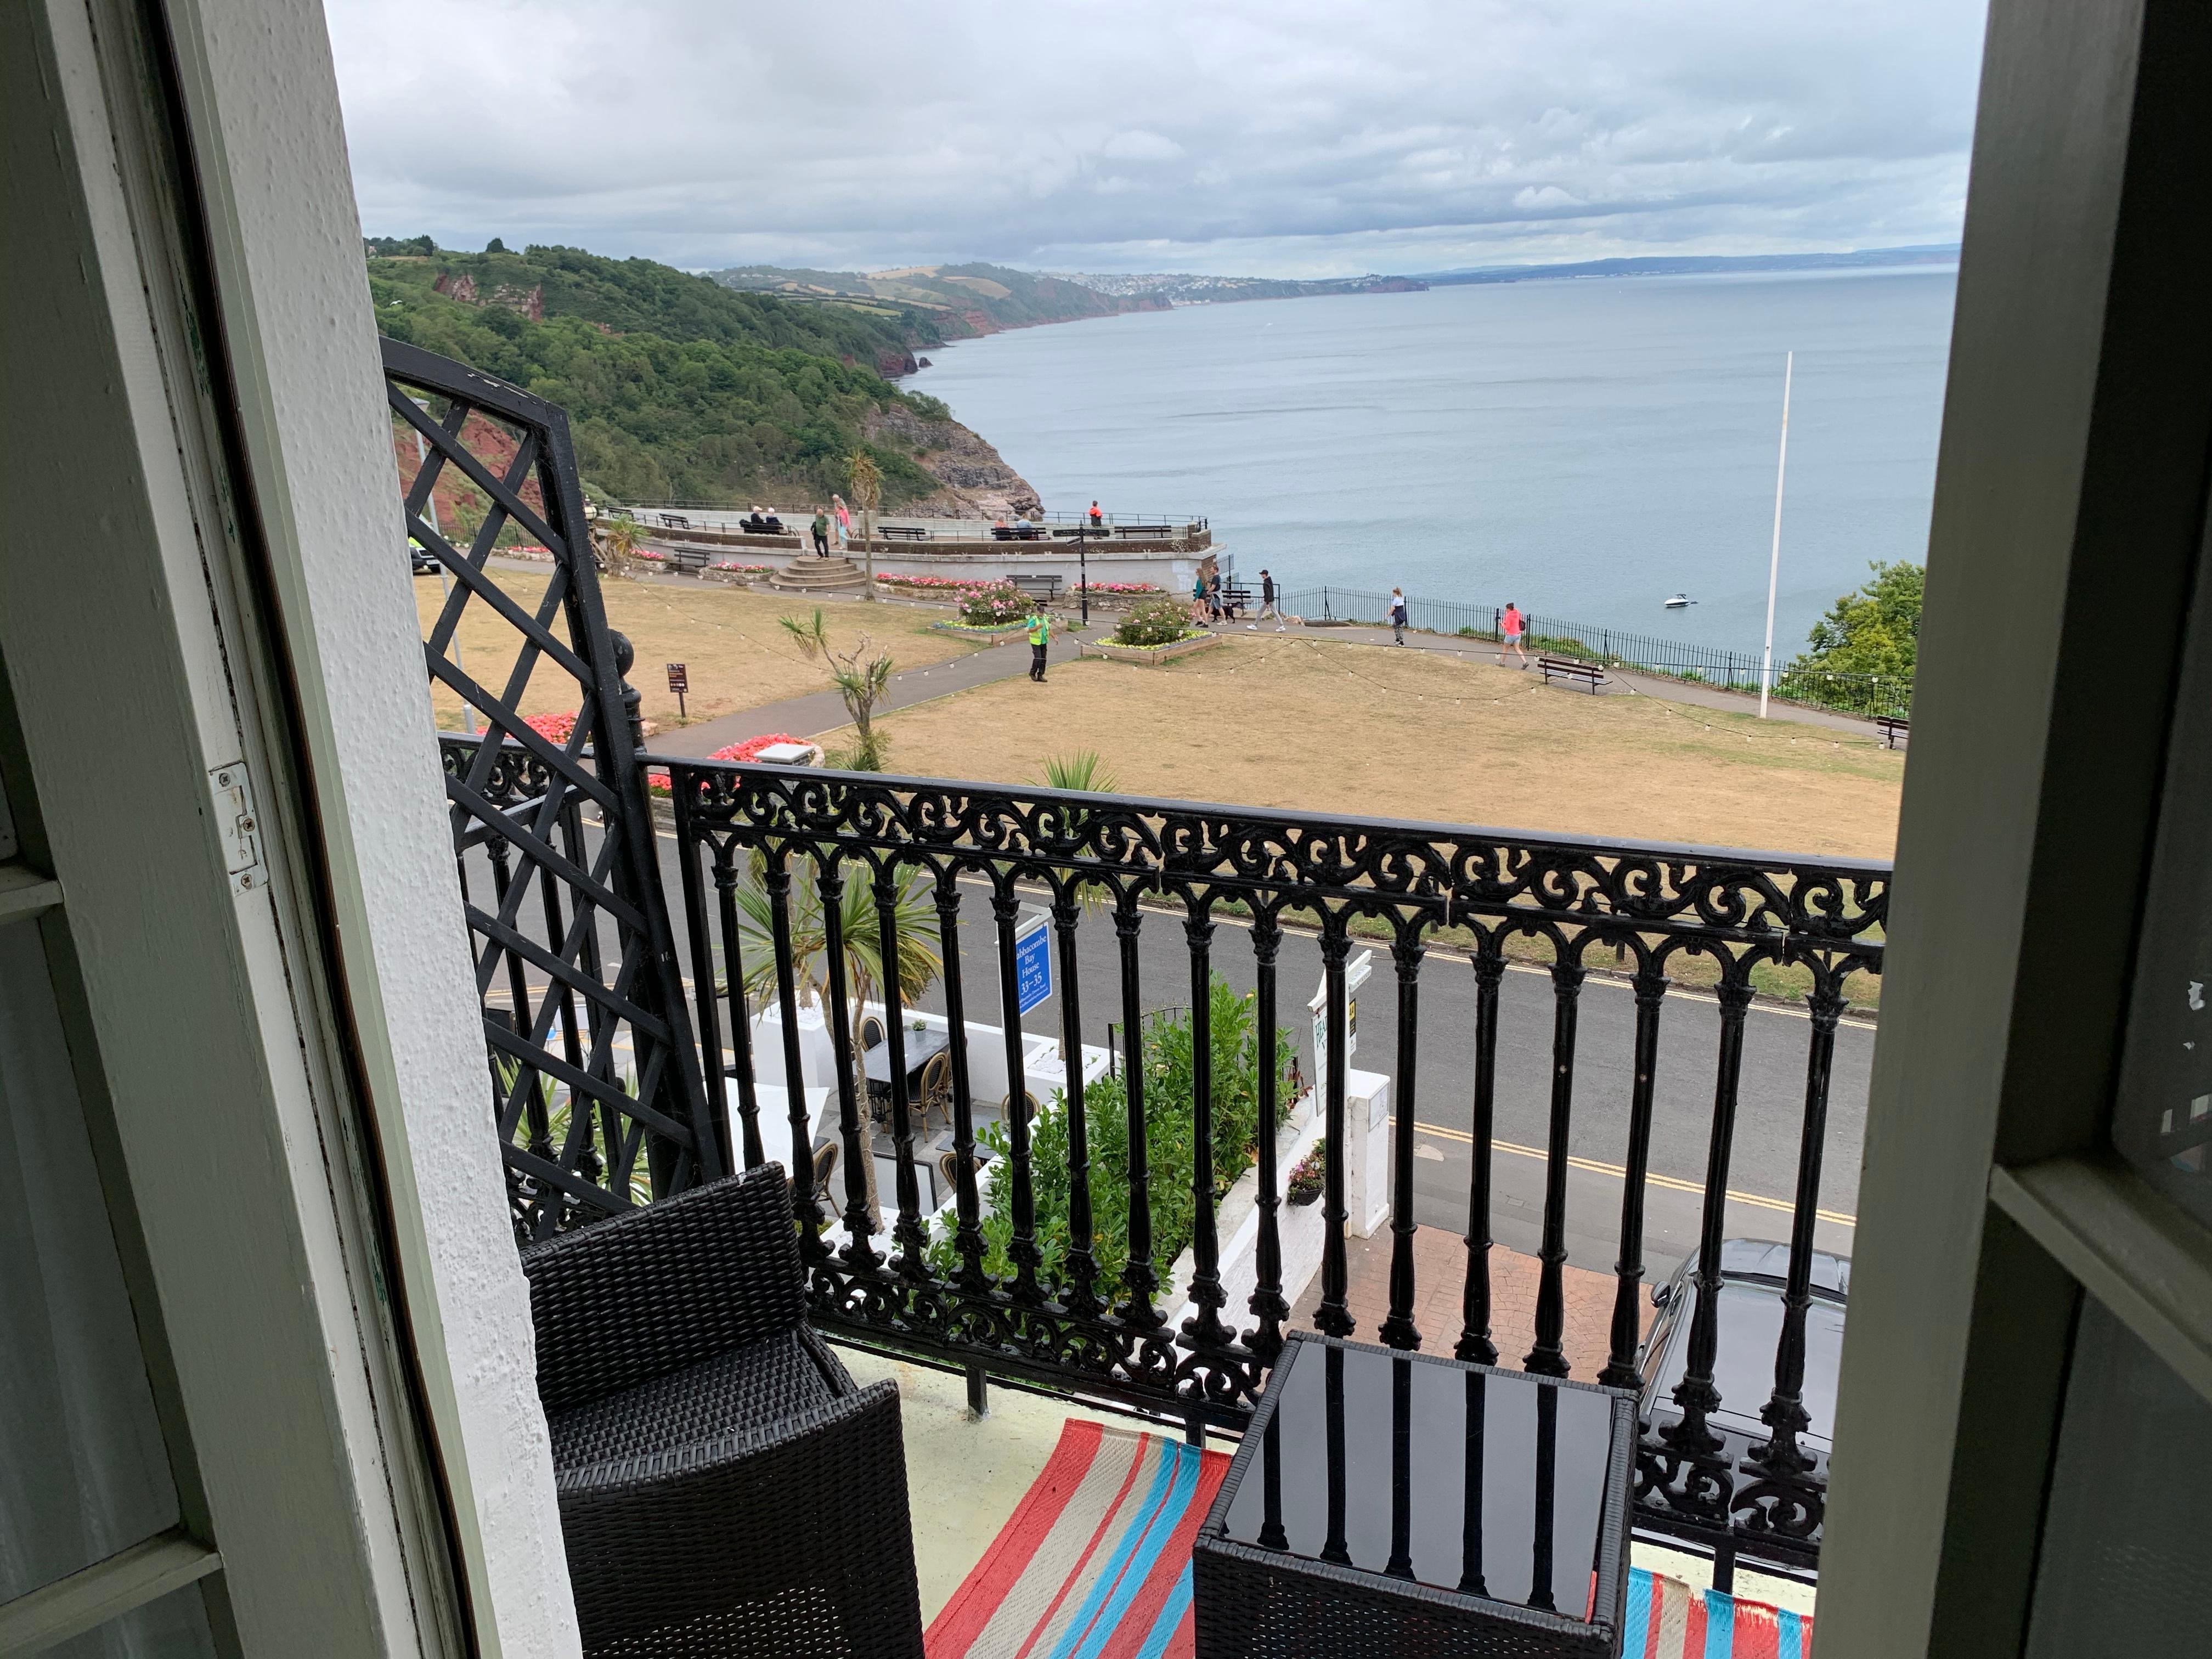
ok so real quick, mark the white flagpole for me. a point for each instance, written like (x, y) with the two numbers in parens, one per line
(1774, 561)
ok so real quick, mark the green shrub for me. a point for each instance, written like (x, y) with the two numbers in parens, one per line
(1153, 622)
(1167, 1049)
(993, 607)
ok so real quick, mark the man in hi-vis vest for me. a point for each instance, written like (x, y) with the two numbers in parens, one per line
(1040, 626)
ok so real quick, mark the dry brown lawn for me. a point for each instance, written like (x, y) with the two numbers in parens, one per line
(729, 638)
(1309, 725)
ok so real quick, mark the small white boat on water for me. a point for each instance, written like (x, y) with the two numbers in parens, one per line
(1678, 601)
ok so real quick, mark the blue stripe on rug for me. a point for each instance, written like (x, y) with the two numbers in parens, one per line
(1636, 1624)
(1158, 1527)
(1170, 1619)
(1080, 1627)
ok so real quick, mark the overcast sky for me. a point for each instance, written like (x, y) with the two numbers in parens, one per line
(1290, 137)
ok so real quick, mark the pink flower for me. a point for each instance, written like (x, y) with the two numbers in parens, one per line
(554, 728)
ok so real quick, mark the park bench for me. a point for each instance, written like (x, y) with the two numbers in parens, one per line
(1892, 727)
(1566, 668)
(902, 532)
(690, 559)
(1234, 601)
(674, 521)
(1041, 586)
(1017, 532)
(1155, 531)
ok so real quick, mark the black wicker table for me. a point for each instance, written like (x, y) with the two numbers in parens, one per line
(1388, 1504)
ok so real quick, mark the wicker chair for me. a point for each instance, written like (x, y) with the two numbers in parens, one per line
(725, 1488)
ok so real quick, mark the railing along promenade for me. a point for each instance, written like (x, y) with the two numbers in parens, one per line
(1868, 695)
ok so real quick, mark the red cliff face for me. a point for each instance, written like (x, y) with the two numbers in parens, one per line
(891, 364)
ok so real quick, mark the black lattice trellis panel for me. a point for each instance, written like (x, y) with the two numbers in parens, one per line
(595, 1082)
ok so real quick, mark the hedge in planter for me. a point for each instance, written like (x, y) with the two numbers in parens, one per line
(1168, 1051)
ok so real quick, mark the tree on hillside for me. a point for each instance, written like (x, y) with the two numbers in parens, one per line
(865, 480)
(1873, 631)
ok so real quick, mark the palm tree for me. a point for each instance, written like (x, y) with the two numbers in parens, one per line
(1082, 771)
(862, 681)
(619, 548)
(912, 916)
(865, 480)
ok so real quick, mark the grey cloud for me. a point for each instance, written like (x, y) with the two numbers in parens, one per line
(1293, 136)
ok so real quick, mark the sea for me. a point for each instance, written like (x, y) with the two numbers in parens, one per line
(1584, 448)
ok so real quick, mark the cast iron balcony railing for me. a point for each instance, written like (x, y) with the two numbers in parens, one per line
(603, 1098)
(751, 841)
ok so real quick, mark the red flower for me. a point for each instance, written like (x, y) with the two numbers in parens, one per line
(751, 748)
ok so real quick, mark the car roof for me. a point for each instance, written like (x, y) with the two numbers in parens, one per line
(1762, 1258)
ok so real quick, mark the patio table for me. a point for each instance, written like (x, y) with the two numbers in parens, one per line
(1385, 1503)
(921, 1048)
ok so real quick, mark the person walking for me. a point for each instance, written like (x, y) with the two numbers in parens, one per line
(1268, 600)
(1511, 626)
(843, 514)
(1097, 519)
(1198, 600)
(1397, 615)
(1039, 627)
(820, 533)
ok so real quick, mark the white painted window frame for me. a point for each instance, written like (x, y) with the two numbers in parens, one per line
(294, 1064)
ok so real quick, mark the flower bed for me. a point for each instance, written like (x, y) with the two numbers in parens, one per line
(1149, 655)
(657, 780)
(735, 569)
(955, 587)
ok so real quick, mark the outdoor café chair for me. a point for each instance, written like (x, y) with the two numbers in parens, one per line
(725, 1488)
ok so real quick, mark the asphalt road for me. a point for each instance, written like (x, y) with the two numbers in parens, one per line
(1764, 1157)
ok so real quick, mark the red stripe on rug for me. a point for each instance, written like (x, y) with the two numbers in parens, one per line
(1107, 1522)
(1758, 1633)
(1693, 1639)
(962, 1620)
(1145, 1608)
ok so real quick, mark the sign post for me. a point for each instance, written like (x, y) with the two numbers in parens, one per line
(679, 682)
(1032, 960)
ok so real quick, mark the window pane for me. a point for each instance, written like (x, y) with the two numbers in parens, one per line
(174, 1628)
(2163, 1117)
(82, 1470)
(2122, 1569)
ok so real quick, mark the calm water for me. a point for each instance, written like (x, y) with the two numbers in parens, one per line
(1584, 448)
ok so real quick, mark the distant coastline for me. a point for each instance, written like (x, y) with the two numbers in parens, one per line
(1700, 265)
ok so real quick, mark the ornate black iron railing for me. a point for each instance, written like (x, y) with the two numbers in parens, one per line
(601, 1098)
(752, 840)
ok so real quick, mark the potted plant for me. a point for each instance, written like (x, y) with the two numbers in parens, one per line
(1306, 1179)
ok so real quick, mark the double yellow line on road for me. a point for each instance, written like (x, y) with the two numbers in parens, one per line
(1619, 1172)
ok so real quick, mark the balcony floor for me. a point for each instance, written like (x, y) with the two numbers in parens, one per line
(964, 1477)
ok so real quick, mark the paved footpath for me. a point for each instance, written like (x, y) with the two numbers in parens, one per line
(825, 711)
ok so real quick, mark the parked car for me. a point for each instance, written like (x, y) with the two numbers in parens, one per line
(1754, 1272)
(424, 561)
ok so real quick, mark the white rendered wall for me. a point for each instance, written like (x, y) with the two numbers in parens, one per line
(263, 95)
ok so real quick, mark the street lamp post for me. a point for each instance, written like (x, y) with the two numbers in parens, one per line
(1083, 570)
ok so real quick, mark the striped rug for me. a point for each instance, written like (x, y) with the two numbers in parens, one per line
(1095, 1562)
(1668, 1619)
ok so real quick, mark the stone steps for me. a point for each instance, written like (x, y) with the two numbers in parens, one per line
(810, 574)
